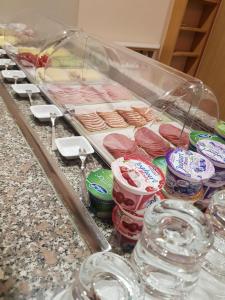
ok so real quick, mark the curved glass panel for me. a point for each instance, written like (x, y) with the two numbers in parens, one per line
(26, 33)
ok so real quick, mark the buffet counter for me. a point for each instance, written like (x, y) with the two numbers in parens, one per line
(40, 247)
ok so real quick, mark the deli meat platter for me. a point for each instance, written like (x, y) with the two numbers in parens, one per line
(115, 121)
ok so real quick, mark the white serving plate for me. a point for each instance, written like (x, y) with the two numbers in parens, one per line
(2, 52)
(69, 146)
(42, 112)
(11, 74)
(21, 89)
(6, 61)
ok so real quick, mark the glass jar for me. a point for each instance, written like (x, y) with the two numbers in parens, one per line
(175, 238)
(214, 261)
(107, 276)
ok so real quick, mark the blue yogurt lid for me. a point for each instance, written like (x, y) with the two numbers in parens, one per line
(190, 165)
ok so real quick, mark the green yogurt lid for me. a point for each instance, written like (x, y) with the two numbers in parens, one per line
(196, 136)
(220, 128)
(99, 183)
(161, 163)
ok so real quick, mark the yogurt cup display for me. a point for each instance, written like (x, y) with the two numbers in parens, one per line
(186, 173)
(136, 181)
(196, 136)
(215, 152)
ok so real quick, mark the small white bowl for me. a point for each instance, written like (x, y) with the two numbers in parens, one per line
(21, 89)
(10, 75)
(2, 52)
(6, 61)
(69, 146)
(42, 112)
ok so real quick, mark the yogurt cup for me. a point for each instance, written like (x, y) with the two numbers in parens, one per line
(99, 184)
(215, 152)
(136, 181)
(160, 162)
(196, 136)
(127, 224)
(220, 129)
(186, 173)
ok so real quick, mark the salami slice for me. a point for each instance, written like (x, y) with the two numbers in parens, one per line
(145, 112)
(152, 143)
(173, 134)
(91, 121)
(113, 119)
(132, 117)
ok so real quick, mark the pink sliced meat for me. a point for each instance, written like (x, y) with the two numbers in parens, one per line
(152, 143)
(173, 134)
(117, 92)
(119, 145)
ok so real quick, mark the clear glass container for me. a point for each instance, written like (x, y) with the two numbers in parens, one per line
(101, 74)
(25, 34)
(214, 261)
(175, 238)
(107, 276)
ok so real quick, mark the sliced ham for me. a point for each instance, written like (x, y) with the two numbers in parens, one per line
(173, 134)
(152, 143)
(119, 145)
(117, 92)
(84, 94)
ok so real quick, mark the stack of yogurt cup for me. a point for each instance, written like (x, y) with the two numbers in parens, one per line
(215, 152)
(187, 172)
(137, 184)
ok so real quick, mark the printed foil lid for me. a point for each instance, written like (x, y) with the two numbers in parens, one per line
(220, 128)
(196, 136)
(99, 183)
(190, 165)
(138, 175)
(213, 150)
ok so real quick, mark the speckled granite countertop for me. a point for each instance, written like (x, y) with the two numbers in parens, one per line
(40, 246)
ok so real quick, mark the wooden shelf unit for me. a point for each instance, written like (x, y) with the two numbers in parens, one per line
(188, 30)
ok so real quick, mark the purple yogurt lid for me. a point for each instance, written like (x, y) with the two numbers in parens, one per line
(213, 150)
(190, 165)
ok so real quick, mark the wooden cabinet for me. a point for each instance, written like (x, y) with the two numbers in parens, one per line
(187, 33)
(211, 69)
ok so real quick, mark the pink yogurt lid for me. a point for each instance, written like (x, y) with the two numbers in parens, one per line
(137, 175)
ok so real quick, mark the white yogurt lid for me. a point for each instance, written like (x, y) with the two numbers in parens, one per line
(213, 150)
(137, 175)
(190, 165)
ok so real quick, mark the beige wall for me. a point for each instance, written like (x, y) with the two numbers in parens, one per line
(136, 21)
(63, 10)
